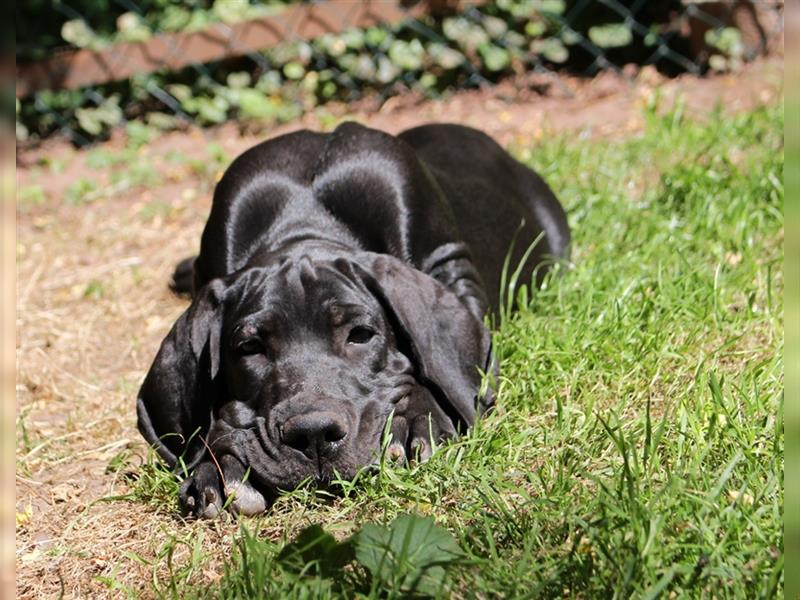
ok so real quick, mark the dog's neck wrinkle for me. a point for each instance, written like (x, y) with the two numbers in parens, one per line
(301, 243)
(301, 228)
(310, 241)
(298, 222)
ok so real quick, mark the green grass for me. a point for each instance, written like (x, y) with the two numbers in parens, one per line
(637, 446)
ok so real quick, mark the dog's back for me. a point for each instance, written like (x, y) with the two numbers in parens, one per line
(497, 202)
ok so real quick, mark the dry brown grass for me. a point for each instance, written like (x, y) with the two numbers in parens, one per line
(92, 306)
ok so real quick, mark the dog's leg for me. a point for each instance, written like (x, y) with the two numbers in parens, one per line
(396, 452)
(418, 424)
(244, 498)
(203, 495)
(428, 427)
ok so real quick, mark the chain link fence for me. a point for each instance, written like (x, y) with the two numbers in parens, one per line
(85, 67)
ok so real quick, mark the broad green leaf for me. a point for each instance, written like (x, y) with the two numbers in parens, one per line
(387, 71)
(535, 28)
(78, 33)
(410, 554)
(294, 70)
(494, 26)
(728, 40)
(444, 56)
(494, 57)
(468, 35)
(552, 49)
(238, 80)
(254, 104)
(213, 110)
(131, 28)
(407, 55)
(613, 35)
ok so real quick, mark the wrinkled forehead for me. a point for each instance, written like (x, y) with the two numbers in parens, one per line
(301, 290)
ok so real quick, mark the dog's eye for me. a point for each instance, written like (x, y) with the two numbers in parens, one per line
(250, 346)
(360, 335)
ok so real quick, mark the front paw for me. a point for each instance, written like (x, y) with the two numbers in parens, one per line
(418, 425)
(243, 498)
(200, 495)
(205, 494)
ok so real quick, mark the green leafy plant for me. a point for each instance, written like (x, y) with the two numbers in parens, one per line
(431, 55)
(81, 191)
(31, 195)
(408, 557)
(95, 120)
(727, 42)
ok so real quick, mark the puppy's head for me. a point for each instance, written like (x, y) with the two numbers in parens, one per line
(294, 368)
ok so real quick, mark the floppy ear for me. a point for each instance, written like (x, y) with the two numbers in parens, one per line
(448, 344)
(175, 400)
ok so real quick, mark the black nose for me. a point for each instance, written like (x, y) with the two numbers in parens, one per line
(316, 433)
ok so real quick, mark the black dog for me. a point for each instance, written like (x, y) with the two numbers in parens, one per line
(341, 278)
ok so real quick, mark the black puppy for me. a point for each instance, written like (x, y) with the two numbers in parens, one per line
(341, 278)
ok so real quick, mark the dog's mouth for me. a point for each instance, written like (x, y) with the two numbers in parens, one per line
(273, 469)
(328, 478)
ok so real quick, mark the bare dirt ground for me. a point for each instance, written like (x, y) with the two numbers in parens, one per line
(93, 305)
